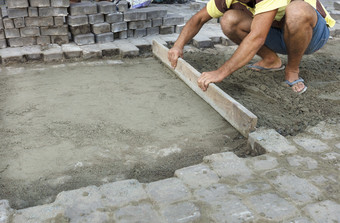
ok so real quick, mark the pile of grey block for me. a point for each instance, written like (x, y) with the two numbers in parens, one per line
(43, 22)
(34, 22)
(103, 22)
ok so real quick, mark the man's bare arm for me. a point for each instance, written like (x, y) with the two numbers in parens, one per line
(245, 52)
(191, 28)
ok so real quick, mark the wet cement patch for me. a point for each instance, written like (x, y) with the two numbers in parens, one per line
(65, 126)
(273, 102)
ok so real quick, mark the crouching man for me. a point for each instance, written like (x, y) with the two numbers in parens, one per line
(265, 28)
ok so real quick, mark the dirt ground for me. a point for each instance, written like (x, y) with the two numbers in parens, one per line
(273, 102)
(71, 125)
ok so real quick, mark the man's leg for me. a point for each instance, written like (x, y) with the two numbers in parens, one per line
(301, 18)
(236, 25)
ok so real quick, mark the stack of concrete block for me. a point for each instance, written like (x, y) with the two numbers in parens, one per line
(32, 22)
(3, 43)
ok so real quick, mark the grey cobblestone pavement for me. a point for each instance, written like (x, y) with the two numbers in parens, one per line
(297, 180)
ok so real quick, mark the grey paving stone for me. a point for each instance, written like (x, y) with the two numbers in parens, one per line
(197, 176)
(71, 51)
(8, 23)
(134, 15)
(337, 145)
(178, 29)
(82, 29)
(141, 24)
(39, 3)
(60, 39)
(229, 166)
(325, 211)
(305, 163)
(53, 53)
(252, 187)
(19, 22)
(143, 213)
(59, 20)
(17, 12)
(12, 33)
(3, 44)
(271, 141)
(298, 220)
(114, 17)
(323, 130)
(54, 31)
(43, 40)
(5, 211)
(77, 20)
(300, 190)
(168, 191)
(171, 20)
(83, 8)
(163, 30)
(32, 53)
(311, 145)
(33, 12)
(201, 41)
(104, 37)
(262, 163)
(152, 31)
(213, 193)
(2, 34)
(84, 39)
(29, 31)
(96, 18)
(118, 27)
(60, 3)
(39, 21)
(100, 28)
(336, 5)
(335, 14)
(123, 34)
(270, 206)
(91, 51)
(9, 55)
(181, 212)
(143, 45)
(122, 6)
(39, 214)
(17, 3)
(137, 33)
(106, 7)
(22, 41)
(109, 49)
(156, 22)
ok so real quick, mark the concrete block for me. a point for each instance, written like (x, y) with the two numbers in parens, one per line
(8, 23)
(3, 43)
(22, 41)
(71, 51)
(77, 20)
(33, 12)
(153, 13)
(134, 15)
(32, 53)
(2, 34)
(17, 12)
(184, 210)
(53, 53)
(82, 29)
(59, 20)
(122, 6)
(101, 28)
(337, 5)
(39, 3)
(19, 22)
(156, 22)
(11, 4)
(139, 33)
(60, 39)
(96, 18)
(163, 30)
(123, 34)
(12, 33)
(335, 14)
(142, 24)
(54, 31)
(118, 27)
(171, 20)
(311, 144)
(106, 7)
(178, 29)
(39, 21)
(5, 211)
(9, 55)
(84, 39)
(201, 41)
(43, 40)
(30, 31)
(83, 8)
(91, 51)
(1, 24)
(152, 31)
(325, 211)
(134, 213)
(104, 37)
(109, 49)
(50, 11)
(114, 17)
(60, 3)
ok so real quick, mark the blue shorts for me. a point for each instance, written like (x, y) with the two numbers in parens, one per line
(275, 40)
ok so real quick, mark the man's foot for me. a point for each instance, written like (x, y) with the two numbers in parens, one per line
(298, 85)
(263, 65)
(259, 68)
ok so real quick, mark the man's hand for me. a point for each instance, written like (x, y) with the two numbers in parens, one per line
(209, 77)
(173, 55)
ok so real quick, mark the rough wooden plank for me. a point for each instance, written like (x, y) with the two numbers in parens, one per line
(236, 114)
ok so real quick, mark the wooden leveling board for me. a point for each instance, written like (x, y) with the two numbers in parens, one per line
(236, 114)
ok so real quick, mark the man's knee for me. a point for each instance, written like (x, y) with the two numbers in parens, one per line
(300, 13)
